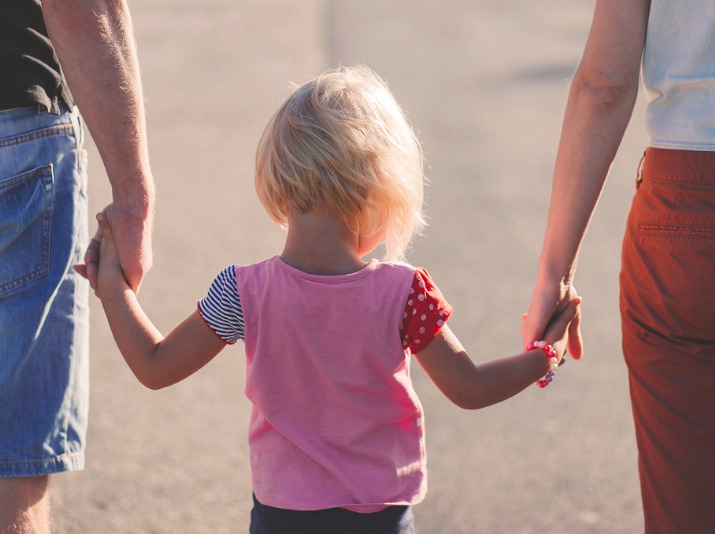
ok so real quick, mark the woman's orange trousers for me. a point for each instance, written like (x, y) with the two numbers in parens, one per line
(668, 322)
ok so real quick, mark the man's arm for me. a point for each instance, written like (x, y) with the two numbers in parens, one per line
(95, 44)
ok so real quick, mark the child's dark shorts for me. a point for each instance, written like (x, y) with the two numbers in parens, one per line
(391, 520)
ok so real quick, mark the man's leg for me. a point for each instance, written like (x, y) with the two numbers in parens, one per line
(24, 505)
(44, 316)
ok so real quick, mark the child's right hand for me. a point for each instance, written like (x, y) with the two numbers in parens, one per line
(557, 331)
(111, 276)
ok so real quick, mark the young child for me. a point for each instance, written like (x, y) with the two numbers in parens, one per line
(336, 431)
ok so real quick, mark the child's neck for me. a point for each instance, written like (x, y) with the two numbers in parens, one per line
(321, 244)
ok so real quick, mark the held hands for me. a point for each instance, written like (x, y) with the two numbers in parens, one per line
(547, 308)
(556, 339)
(132, 243)
(109, 273)
(563, 322)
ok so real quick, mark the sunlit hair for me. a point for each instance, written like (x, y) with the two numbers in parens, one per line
(340, 144)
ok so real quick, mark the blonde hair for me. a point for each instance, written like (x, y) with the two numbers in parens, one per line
(341, 144)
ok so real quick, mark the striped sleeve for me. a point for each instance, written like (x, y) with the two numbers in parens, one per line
(221, 307)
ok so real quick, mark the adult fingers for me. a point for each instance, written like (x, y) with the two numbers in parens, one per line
(575, 338)
(133, 245)
(559, 325)
(540, 314)
(81, 269)
(104, 227)
(134, 274)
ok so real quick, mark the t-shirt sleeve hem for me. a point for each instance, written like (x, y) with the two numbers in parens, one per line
(207, 323)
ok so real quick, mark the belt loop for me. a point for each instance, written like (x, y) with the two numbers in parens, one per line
(639, 172)
(76, 120)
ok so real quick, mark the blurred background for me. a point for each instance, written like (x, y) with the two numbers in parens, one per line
(484, 83)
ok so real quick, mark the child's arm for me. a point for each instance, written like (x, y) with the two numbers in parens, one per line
(472, 386)
(157, 361)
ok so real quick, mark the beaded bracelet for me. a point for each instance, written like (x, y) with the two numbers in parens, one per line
(553, 361)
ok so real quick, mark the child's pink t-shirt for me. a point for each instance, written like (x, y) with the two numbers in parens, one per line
(335, 419)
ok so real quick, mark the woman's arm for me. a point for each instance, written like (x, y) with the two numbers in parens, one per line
(157, 361)
(599, 107)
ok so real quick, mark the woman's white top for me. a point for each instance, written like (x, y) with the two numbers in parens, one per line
(679, 74)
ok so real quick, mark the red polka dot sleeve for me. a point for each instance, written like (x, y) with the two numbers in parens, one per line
(426, 312)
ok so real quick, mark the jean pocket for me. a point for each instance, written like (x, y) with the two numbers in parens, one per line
(25, 213)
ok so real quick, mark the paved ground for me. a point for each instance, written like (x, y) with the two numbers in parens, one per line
(485, 84)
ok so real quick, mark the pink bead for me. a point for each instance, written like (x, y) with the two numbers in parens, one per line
(552, 355)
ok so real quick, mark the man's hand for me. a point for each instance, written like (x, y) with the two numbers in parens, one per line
(132, 235)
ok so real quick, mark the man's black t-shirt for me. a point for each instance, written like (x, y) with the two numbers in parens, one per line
(30, 73)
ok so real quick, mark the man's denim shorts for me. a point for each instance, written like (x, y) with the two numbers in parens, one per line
(44, 316)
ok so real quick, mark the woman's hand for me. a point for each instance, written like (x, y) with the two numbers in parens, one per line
(563, 327)
(544, 311)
